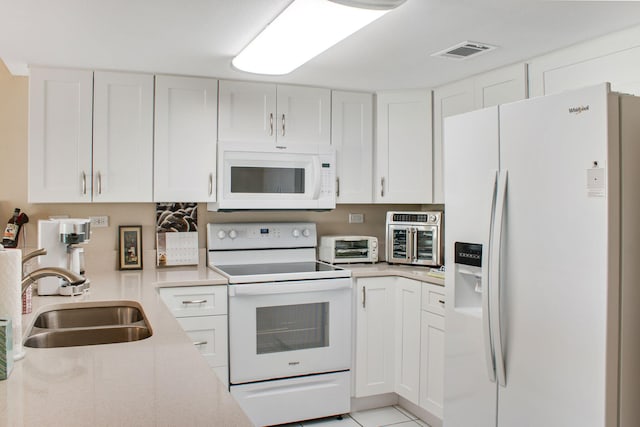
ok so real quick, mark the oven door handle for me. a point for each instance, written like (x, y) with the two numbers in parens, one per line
(288, 288)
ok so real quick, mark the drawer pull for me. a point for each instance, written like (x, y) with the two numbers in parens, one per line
(197, 301)
(200, 342)
(441, 301)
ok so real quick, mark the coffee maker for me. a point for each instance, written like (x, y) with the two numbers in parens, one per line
(62, 238)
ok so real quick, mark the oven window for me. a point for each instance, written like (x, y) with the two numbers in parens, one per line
(400, 242)
(425, 245)
(292, 327)
(263, 180)
(352, 249)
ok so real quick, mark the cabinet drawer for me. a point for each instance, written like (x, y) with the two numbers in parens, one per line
(209, 335)
(195, 300)
(433, 298)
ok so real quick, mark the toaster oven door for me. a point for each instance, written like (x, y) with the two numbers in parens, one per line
(426, 245)
(399, 244)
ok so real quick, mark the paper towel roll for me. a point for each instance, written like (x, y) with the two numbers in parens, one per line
(11, 294)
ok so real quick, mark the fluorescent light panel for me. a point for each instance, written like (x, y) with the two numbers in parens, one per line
(303, 30)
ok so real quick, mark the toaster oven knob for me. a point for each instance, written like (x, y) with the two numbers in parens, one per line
(233, 234)
(295, 232)
(222, 234)
(306, 232)
(374, 244)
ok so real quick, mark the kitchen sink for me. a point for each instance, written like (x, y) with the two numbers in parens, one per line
(94, 323)
(87, 336)
(88, 316)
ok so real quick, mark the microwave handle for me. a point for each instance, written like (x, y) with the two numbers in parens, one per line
(317, 177)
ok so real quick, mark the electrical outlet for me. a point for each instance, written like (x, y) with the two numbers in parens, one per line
(99, 221)
(356, 218)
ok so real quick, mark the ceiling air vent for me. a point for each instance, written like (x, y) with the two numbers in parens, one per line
(464, 50)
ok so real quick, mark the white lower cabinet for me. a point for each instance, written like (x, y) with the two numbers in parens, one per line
(202, 313)
(374, 369)
(400, 340)
(407, 338)
(432, 349)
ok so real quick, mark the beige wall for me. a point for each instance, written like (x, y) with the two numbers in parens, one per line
(13, 192)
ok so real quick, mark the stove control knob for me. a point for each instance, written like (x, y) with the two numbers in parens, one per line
(222, 234)
(306, 232)
(233, 234)
(295, 232)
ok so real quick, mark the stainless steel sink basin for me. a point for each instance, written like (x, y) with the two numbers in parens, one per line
(87, 336)
(79, 324)
(88, 316)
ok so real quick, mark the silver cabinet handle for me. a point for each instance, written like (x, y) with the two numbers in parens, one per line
(197, 301)
(84, 183)
(200, 342)
(283, 124)
(210, 184)
(382, 187)
(364, 296)
(99, 183)
(337, 187)
(270, 124)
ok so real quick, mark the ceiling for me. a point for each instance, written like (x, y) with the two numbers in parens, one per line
(200, 37)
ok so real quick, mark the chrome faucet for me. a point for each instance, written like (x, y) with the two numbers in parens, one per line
(71, 277)
(33, 254)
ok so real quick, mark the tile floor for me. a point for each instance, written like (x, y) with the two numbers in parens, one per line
(381, 417)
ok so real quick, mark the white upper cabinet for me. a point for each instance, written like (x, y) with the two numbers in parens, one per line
(280, 115)
(304, 115)
(60, 114)
(403, 147)
(90, 136)
(122, 137)
(247, 112)
(352, 137)
(185, 139)
(485, 90)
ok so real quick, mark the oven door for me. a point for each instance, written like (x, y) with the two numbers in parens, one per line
(426, 245)
(399, 244)
(286, 329)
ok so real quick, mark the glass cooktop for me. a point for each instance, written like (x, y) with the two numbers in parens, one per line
(253, 273)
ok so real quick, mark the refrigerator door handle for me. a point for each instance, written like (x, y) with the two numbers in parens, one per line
(489, 355)
(494, 278)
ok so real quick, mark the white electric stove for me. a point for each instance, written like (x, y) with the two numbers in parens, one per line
(289, 321)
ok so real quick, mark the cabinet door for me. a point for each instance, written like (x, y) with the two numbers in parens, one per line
(404, 148)
(304, 115)
(185, 139)
(209, 336)
(455, 98)
(247, 112)
(501, 86)
(407, 338)
(351, 135)
(60, 114)
(374, 366)
(122, 137)
(432, 362)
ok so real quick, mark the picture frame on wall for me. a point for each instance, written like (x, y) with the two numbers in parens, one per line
(130, 247)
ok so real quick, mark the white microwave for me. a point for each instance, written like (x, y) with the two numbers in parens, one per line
(252, 176)
(348, 249)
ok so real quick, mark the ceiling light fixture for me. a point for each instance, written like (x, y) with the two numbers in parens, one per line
(305, 29)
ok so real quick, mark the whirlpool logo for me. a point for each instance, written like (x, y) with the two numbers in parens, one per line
(578, 110)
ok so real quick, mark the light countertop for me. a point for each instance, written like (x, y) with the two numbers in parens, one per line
(159, 381)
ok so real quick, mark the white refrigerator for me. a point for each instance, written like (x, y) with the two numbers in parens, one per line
(542, 205)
